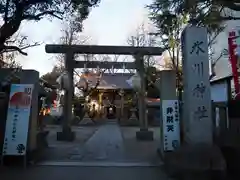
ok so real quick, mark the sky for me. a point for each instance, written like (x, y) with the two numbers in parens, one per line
(109, 24)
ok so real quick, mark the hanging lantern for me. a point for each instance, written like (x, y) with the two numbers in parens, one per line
(63, 80)
(121, 92)
(135, 82)
(82, 83)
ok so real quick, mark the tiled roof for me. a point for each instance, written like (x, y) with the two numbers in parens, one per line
(115, 81)
(112, 81)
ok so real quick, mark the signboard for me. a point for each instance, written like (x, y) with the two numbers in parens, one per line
(197, 93)
(233, 44)
(171, 125)
(16, 133)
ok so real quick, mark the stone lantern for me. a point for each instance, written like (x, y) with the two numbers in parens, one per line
(135, 82)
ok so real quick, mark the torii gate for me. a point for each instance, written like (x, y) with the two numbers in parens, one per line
(70, 64)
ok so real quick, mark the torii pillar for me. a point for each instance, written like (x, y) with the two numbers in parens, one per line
(143, 133)
(67, 134)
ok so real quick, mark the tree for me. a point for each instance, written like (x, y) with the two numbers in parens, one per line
(170, 20)
(8, 57)
(207, 12)
(141, 37)
(14, 12)
(52, 76)
(210, 7)
(7, 60)
(71, 34)
(168, 31)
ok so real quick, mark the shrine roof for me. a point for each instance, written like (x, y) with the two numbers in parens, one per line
(112, 81)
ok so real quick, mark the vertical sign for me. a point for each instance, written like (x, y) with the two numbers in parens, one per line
(171, 125)
(233, 53)
(16, 133)
(196, 95)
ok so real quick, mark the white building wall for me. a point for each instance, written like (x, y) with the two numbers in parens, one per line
(219, 92)
(221, 42)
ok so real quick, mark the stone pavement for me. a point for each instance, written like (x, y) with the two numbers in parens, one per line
(142, 151)
(60, 151)
(107, 145)
(83, 173)
(108, 152)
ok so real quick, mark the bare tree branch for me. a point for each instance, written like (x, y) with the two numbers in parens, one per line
(141, 37)
(19, 49)
(39, 16)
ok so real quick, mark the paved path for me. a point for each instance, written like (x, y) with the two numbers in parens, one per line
(109, 145)
(84, 173)
(141, 151)
(62, 151)
(104, 156)
(105, 145)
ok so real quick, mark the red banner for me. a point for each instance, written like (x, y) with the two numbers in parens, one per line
(233, 59)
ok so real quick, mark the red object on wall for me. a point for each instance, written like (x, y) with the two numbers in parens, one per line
(20, 99)
(53, 96)
(233, 60)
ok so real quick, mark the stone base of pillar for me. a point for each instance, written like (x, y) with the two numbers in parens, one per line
(66, 136)
(196, 161)
(133, 118)
(144, 135)
(133, 122)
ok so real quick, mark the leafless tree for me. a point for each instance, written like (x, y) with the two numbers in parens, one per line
(140, 38)
(8, 56)
(70, 36)
(14, 12)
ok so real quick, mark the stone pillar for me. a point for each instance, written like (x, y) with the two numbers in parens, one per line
(198, 154)
(167, 87)
(144, 133)
(196, 96)
(67, 134)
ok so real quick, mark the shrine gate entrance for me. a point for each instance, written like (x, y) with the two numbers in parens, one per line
(70, 64)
